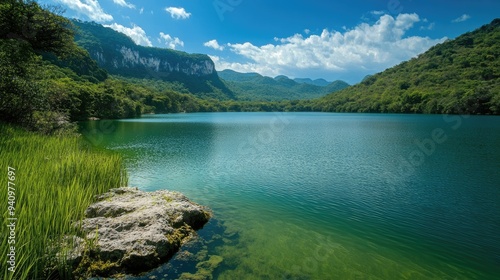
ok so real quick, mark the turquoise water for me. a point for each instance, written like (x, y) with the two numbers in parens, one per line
(325, 196)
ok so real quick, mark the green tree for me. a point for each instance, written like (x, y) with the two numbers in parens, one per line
(43, 29)
(26, 30)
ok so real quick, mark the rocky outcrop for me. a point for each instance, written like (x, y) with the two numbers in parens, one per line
(128, 57)
(119, 54)
(142, 62)
(131, 231)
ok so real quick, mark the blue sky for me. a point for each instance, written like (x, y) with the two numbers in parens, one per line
(333, 40)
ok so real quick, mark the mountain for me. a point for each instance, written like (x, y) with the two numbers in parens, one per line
(457, 76)
(285, 81)
(253, 86)
(230, 75)
(336, 86)
(119, 55)
(317, 82)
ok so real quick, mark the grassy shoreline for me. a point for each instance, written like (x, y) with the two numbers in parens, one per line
(53, 180)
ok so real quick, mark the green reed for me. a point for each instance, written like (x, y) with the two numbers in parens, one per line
(56, 179)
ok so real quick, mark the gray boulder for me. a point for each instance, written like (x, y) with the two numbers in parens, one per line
(131, 231)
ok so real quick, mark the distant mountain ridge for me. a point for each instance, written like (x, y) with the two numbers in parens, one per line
(119, 55)
(317, 82)
(253, 86)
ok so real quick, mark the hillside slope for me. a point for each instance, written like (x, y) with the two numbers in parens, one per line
(119, 55)
(457, 76)
(253, 86)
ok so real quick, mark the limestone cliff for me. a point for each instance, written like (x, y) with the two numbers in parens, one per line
(119, 55)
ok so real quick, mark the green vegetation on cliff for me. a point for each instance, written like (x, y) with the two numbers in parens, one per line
(457, 76)
(119, 55)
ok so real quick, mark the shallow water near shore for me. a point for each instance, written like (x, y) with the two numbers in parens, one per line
(325, 196)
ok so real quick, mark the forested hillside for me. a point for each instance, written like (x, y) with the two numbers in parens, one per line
(457, 76)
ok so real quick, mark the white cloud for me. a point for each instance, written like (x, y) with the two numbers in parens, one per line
(136, 33)
(124, 4)
(170, 41)
(268, 70)
(141, 11)
(90, 8)
(365, 48)
(178, 13)
(461, 18)
(430, 26)
(214, 45)
(307, 31)
(372, 15)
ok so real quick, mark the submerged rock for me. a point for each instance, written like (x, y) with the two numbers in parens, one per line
(131, 231)
(205, 269)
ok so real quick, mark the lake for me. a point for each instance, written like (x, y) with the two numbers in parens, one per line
(323, 195)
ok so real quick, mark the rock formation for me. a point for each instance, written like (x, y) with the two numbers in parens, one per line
(131, 231)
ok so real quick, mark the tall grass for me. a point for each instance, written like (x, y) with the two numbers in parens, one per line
(56, 179)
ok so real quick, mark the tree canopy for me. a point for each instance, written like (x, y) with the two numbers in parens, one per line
(42, 29)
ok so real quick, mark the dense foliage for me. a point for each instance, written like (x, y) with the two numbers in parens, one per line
(26, 30)
(253, 86)
(43, 30)
(457, 76)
